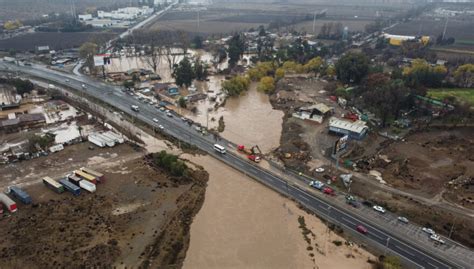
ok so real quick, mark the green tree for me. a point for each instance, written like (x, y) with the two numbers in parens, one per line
(279, 73)
(182, 102)
(184, 73)
(236, 85)
(128, 84)
(22, 86)
(200, 69)
(236, 49)
(464, 75)
(266, 84)
(314, 65)
(197, 42)
(392, 262)
(352, 67)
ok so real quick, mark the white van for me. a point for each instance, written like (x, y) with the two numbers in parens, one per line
(219, 148)
(135, 108)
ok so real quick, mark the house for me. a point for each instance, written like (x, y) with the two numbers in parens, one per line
(196, 97)
(316, 113)
(166, 92)
(85, 17)
(356, 130)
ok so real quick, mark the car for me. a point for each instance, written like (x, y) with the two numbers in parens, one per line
(162, 108)
(183, 119)
(361, 229)
(161, 127)
(437, 238)
(169, 114)
(319, 170)
(155, 119)
(428, 230)
(329, 191)
(316, 184)
(402, 219)
(83, 86)
(352, 201)
(67, 80)
(379, 209)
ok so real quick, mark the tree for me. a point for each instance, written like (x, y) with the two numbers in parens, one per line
(392, 262)
(154, 51)
(266, 84)
(128, 84)
(182, 102)
(421, 73)
(22, 86)
(314, 65)
(464, 75)
(260, 70)
(200, 69)
(87, 52)
(184, 73)
(279, 73)
(236, 85)
(352, 67)
(236, 49)
(197, 42)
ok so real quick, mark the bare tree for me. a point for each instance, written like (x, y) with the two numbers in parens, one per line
(154, 51)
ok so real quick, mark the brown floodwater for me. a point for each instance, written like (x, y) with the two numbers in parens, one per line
(243, 224)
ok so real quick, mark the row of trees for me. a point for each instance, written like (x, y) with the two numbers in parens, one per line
(331, 31)
(21, 86)
(185, 72)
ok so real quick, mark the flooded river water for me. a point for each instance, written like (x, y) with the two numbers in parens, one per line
(243, 224)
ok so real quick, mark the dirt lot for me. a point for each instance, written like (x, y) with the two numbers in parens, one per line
(139, 217)
(433, 163)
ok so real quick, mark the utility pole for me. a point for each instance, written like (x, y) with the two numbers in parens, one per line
(452, 228)
(386, 246)
(445, 26)
(314, 21)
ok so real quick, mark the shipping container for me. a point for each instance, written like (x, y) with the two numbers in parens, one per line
(99, 176)
(115, 138)
(109, 142)
(8, 202)
(70, 187)
(88, 186)
(20, 194)
(53, 184)
(86, 176)
(96, 141)
(74, 179)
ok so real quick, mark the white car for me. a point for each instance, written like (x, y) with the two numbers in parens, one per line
(155, 119)
(403, 219)
(437, 238)
(379, 209)
(67, 80)
(428, 230)
(169, 114)
(83, 86)
(319, 170)
(161, 127)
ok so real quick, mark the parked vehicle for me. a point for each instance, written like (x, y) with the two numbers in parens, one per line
(319, 170)
(402, 219)
(161, 127)
(88, 186)
(74, 179)
(437, 238)
(99, 176)
(96, 140)
(19, 194)
(219, 148)
(379, 209)
(169, 114)
(8, 202)
(53, 184)
(361, 229)
(428, 230)
(329, 191)
(75, 190)
(254, 158)
(86, 176)
(316, 184)
(155, 120)
(352, 201)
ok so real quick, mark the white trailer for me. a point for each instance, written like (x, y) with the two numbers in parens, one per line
(109, 142)
(114, 137)
(87, 185)
(96, 140)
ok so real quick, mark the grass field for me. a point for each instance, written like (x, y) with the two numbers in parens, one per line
(461, 94)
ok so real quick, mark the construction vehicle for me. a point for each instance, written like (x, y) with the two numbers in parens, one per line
(253, 154)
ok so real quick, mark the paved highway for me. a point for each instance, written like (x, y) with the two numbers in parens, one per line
(415, 252)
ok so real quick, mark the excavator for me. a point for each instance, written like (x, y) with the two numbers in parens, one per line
(253, 154)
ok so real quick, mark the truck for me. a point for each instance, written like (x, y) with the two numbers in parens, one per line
(109, 142)
(20, 194)
(75, 190)
(88, 186)
(114, 138)
(86, 176)
(253, 153)
(74, 179)
(99, 176)
(53, 184)
(8, 202)
(96, 140)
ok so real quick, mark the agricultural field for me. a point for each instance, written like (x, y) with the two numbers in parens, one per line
(463, 95)
(56, 41)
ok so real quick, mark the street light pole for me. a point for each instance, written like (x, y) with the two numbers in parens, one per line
(386, 246)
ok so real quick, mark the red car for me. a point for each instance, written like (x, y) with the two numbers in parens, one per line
(361, 229)
(329, 191)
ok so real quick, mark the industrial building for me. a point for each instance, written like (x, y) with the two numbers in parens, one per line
(355, 130)
(316, 113)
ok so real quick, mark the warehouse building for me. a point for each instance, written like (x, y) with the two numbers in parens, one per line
(355, 130)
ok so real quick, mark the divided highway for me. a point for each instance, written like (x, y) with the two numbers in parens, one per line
(414, 253)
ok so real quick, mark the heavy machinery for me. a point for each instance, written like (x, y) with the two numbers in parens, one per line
(253, 154)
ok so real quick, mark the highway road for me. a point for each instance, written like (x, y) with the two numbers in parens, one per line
(416, 251)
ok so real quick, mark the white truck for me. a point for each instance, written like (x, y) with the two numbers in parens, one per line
(96, 140)
(87, 185)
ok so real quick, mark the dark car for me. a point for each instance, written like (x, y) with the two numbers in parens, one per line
(352, 201)
(361, 229)
(368, 203)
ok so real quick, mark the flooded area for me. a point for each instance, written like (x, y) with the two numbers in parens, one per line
(243, 224)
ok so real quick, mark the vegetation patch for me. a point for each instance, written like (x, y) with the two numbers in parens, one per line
(460, 94)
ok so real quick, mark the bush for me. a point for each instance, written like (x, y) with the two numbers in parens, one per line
(170, 163)
(236, 85)
(337, 242)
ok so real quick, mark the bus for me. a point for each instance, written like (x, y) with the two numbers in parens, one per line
(99, 176)
(53, 184)
(85, 176)
(219, 148)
